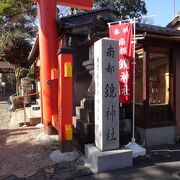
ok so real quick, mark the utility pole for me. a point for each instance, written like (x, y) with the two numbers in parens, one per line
(174, 8)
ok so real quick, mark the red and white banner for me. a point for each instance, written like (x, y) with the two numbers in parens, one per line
(124, 33)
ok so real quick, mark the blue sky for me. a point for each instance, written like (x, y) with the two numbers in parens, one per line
(163, 9)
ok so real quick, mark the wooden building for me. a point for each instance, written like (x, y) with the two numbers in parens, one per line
(175, 23)
(157, 84)
(5, 67)
(6, 84)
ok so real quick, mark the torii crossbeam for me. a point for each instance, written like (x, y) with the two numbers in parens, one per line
(81, 4)
(51, 76)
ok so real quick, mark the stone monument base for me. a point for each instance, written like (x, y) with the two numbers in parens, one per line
(108, 160)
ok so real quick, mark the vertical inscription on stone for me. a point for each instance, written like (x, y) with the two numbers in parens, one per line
(106, 94)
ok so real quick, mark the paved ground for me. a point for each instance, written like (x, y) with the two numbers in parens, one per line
(164, 171)
(161, 163)
(23, 157)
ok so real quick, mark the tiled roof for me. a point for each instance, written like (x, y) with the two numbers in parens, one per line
(87, 17)
(174, 21)
(84, 13)
(157, 30)
(84, 18)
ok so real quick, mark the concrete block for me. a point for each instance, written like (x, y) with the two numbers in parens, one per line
(34, 121)
(108, 160)
(156, 136)
(33, 116)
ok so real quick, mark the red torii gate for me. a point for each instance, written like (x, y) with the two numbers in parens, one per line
(56, 72)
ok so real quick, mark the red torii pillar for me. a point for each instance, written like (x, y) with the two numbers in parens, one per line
(49, 72)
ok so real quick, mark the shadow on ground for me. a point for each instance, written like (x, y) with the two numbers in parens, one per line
(159, 154)
(23, 156)
(5, 133)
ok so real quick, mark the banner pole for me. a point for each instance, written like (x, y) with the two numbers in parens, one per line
(134, 80)
(137, 150)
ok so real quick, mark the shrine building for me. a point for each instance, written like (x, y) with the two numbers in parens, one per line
(157, 103)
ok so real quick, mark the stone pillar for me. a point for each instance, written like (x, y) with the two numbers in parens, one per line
(106, 94)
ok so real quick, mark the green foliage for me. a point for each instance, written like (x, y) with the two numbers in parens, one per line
(14, 48)
(10, 8)
(31, 72)
(126, 8)
(7, 8)
(18, 15)
(23, 73)
(27, 72)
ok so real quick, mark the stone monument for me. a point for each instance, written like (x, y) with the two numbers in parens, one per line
(106, 95)
(106, 155)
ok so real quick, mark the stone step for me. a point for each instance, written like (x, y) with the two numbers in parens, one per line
(74, 121)
(35, 108)
(38, 101)
(78, 110)
(79, 140)
(89, 132)
(83, 101)
(33, 115)
(90, 116)
(89, 105)
(81, 113)
(78, 125)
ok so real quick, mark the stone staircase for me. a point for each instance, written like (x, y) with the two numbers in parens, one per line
(83, 123)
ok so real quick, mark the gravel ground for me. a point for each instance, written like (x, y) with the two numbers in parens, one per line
(24, 156)
(21, 153)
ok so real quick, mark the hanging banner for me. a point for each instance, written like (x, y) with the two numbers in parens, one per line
(124, 33)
